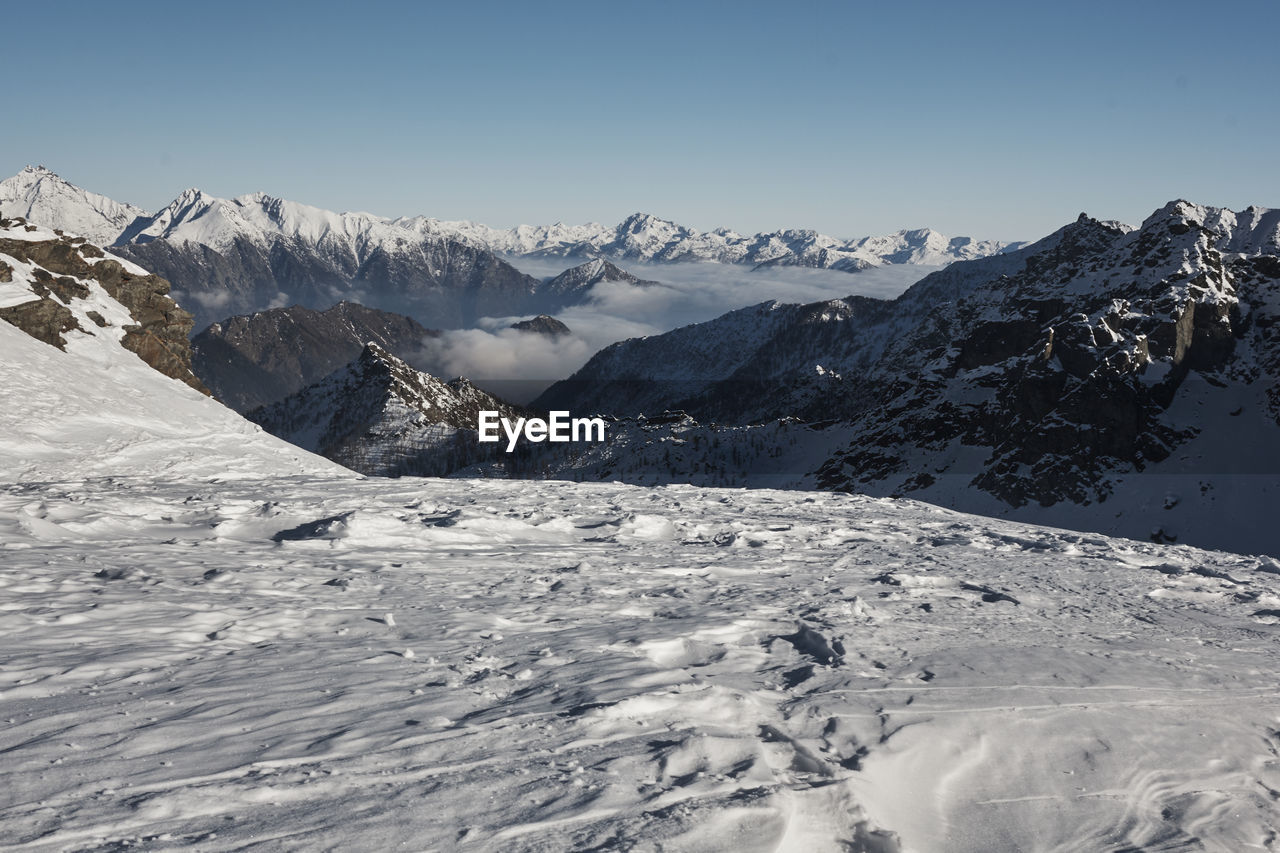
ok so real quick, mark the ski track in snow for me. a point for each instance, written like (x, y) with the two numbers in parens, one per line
(333, 664)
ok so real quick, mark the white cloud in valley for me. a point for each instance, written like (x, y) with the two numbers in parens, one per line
(520, 364)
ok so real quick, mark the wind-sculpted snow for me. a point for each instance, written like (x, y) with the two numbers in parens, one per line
(336, 664)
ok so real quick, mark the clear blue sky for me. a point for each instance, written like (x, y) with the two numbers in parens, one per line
(994, 120)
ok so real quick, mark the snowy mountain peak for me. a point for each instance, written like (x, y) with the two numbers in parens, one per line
(1254, 230)
(639, 221)
(41, 196)
(574, 282)
(649, 227)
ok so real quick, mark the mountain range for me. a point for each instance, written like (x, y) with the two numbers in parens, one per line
(237, 256)
(216, 640)
(1105, 377)
(647, 238)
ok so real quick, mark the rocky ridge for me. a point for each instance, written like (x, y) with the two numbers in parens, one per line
(55, 284)
(254, 360)
(380, 416)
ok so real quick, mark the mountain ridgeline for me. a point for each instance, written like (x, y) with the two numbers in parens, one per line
(379, 416)
(250, 361)
(228, 257)
(1118, 379)
(1102, 362)
(646, 238)
(242, 255)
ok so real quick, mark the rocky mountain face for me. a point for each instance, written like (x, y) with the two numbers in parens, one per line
(666, 372)
(257, 359)
(647, 238)
(1087, 367)
(380, 416)
(53, 285)
(543, 324)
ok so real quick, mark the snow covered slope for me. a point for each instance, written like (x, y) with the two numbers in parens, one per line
(40, 196)
(82, 403)
(317, 664)
(238, 256)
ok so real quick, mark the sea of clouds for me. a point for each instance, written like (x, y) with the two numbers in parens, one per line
(519, 365)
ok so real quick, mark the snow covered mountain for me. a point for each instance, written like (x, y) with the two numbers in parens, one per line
(254, 252)
(643, 237)
(574, 285)
(40, 196)
(1105, 378)
(379, 416)
(246, 254)
(96, 380)
(250, 361)
(237, 256)
(214, 640)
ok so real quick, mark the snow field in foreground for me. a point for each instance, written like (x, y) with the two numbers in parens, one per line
(329, 663)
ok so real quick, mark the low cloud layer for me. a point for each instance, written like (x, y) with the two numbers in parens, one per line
(519, 365)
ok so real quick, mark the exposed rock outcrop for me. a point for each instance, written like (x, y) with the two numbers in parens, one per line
(543, 324)
(60, 271)
(380, 416)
